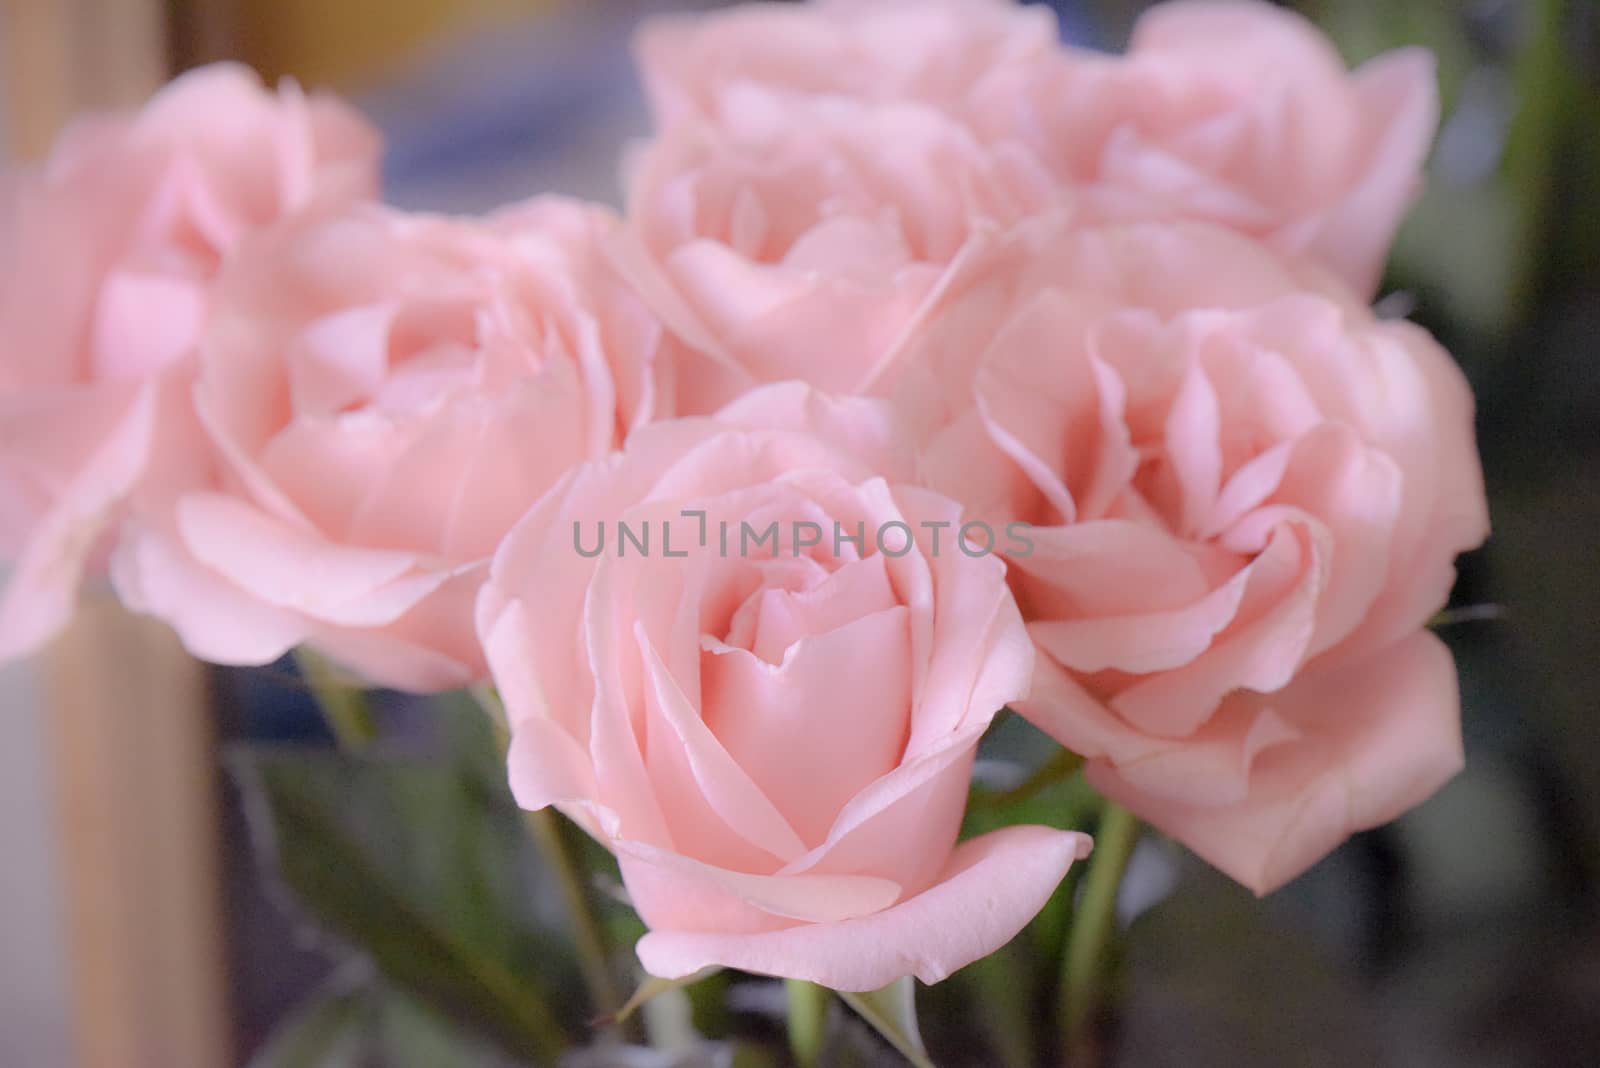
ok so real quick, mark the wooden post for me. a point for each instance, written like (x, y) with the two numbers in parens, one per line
(136, 787)
(128, 726)
(63, 56)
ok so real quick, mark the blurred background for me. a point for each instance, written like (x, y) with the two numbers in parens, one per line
(140, 923)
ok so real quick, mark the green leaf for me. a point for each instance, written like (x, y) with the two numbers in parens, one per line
(1050, 787)
(471, 742)
(892, 1012)
(1000, 988)
(355, 1021)
(327, 1031)
(411, 1035)
(414, 866)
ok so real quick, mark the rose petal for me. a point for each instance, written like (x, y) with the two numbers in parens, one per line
(1380, 736)
(42, 592)
(805, 897)
(782, 723)
(215, 620)
(741, 802)
(1398, 96)
(988, 892)
(290, 568)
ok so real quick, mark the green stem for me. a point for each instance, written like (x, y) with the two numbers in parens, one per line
(808, 1014)
(344, 705)
(1092, 925)
(348, 715)
(1063, 765)
(1540, 74)
(544, 827)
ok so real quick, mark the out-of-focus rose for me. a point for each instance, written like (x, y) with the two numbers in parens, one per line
(820, 166)
(390, 393)
(938, 52)
(107, 253)
(811, 184)
(774, 737)
(1250, 495)
(1236, 112)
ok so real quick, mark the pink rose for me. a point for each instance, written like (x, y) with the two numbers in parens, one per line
(939, 52)
(390, 393)
(1251, 493)
(790, 228)
(774, 737)
(1236, 112)
(107, 254)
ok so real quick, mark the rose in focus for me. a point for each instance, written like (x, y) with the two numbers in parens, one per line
(776, 743)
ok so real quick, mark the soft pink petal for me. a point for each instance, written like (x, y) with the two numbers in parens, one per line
(782, 723)
(1430, 433)
(1113, 567)
(42, 592)
(1380, 736)
(1263, 652)
(1398, 97)
(1357, 492)
(736, 793)
(293, 569)
(665, 887)
(390, 659)
(988, 892)
(901, 825)
(145, 322)
(1056, 409)
(859, 426)
(546, 767)
(430, 647)
(216, 620)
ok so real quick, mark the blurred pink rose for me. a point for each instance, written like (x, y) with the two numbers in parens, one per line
(775, 739)
(811, 185)
(1251, 494)
(107, 253)
(819, 167)
(390, 394)
(1236, 112)
(938, 52)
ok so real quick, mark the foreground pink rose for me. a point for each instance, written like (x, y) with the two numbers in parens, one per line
(811, 185)
(775, 739)
(107, 254)
(1236, 112)
(1251, 495)
(390, 393)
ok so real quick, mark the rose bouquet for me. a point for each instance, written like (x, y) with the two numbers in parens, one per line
(935, 374)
